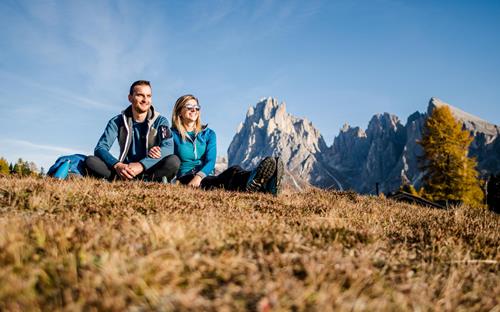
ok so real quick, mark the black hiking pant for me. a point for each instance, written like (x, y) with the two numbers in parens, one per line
(167, 167)
(233, 179)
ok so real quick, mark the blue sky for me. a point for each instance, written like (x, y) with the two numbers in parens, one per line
(66, 66)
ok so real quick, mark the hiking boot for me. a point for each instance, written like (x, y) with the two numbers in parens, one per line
(261, 175)
(273, 186)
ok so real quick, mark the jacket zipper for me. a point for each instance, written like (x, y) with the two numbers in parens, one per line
(194, 145)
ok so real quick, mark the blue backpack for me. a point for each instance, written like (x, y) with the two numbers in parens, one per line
(70, 164)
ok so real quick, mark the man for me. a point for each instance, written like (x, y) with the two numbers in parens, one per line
(138, 128)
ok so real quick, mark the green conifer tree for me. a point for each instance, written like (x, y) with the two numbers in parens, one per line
(450, 175)
(17, 169)
(21, 168)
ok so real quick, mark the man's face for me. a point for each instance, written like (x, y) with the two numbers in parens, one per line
(140, 99)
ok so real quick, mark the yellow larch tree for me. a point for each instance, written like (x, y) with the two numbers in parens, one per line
(449, 173)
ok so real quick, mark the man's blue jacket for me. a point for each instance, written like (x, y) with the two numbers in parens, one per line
(121, 127)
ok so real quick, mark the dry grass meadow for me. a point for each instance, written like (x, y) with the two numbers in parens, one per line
(90, 245)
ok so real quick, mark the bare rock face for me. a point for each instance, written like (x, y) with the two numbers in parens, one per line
(486, 144)
(366, 158)
(472, 123)
(408, 164)
(386, 154)
(269, 130)
(349, 149)
(386, 139)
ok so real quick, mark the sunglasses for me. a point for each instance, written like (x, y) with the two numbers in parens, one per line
(191, 107)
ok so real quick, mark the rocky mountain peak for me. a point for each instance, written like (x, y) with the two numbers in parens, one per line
(415, 116)
(345, 127)
(268, 130)
(383, 155)
(348, 131)
(266, 108)
(382, 122)
(383, 126)
(471, 122)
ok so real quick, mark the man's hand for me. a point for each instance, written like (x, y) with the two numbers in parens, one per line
(154, 152)
(124, 171)
(136, 167)
(195, 182)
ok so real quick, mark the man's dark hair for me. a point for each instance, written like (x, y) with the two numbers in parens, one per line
(139, 83)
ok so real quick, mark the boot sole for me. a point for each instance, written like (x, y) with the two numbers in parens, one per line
(280, 168)
(264, 172)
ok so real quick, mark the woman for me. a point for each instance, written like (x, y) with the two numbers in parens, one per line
(195, 145)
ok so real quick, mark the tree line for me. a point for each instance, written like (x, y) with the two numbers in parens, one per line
(21, 168)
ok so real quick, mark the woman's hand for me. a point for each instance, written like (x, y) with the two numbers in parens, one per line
(154, 152)
(195, 182)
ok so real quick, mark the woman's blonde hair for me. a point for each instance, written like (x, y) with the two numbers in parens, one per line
(177, 119)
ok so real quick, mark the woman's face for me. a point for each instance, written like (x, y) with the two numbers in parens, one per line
(190, 111)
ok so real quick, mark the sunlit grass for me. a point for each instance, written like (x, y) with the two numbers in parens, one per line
(87, 244)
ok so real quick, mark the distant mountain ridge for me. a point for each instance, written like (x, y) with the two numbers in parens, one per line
(269, 130)
(385, 153)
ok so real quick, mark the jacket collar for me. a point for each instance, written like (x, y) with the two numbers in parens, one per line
(203, 128)
(128, 112)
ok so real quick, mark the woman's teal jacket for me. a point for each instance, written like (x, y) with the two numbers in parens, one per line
(197, 153)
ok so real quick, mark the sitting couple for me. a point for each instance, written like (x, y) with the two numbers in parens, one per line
(150, 150)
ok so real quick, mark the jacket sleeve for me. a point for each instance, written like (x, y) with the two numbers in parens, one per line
(106, 141)
(210, 156)
(166, 143)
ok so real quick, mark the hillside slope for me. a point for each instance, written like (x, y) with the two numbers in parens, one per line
(88, 244)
